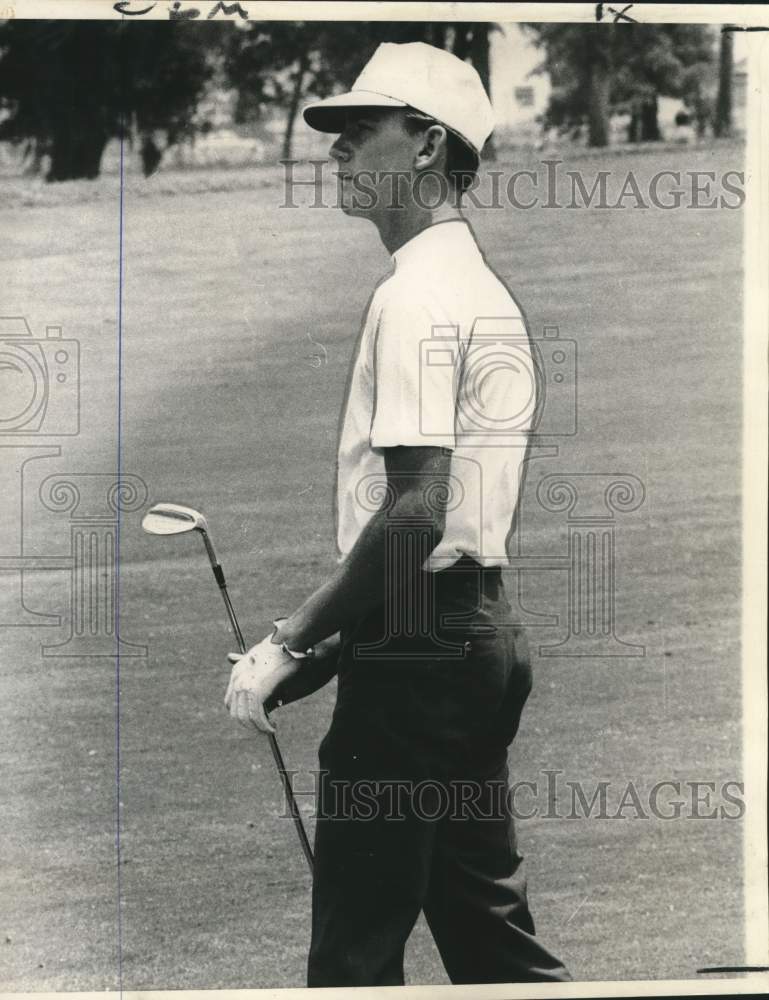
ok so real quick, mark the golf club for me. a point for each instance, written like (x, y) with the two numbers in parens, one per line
(173, 519)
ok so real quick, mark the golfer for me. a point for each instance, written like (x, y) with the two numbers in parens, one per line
(414, 806)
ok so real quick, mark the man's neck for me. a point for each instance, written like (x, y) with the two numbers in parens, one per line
(397, 227)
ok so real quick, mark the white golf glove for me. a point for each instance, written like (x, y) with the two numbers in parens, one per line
(254, 678)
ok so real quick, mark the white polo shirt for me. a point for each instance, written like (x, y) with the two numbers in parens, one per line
(444, 360)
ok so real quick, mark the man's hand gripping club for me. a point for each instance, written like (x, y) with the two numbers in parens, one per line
(267, 677)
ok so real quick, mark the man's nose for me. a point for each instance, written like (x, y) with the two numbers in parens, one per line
(338, 152)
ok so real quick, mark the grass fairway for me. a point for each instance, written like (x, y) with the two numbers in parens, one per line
(225, 409)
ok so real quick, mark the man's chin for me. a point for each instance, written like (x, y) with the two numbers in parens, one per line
(349, 201)
(349, 207)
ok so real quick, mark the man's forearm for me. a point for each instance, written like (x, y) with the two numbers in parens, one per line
(359, 584)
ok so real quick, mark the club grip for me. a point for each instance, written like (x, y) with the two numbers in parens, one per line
(219, 574)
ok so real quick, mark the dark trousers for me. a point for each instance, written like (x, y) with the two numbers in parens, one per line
(414, 812)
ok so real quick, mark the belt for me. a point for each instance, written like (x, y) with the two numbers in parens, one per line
(465, 573)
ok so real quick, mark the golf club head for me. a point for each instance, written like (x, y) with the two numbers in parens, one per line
(173, 519)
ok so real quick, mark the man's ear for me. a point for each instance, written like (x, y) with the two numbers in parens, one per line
(431, 148)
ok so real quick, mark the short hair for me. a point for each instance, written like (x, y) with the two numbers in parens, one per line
(462, 161)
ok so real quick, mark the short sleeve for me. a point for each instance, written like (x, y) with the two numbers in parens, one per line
(416, 367)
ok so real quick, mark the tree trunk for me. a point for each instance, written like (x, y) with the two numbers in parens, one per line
(723, 120)
(479, 56)
(462, 39)
(650, 130)
(702, 115)
(151, 154)
(598, 103)
(296, 96)
(76, 148)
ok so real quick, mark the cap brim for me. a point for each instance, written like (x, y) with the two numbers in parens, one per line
(329, 114)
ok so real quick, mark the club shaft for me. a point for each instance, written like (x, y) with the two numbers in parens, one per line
(233, 620)
(301, 832)
(277, 755)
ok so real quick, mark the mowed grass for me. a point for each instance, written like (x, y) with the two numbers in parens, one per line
(225, 408)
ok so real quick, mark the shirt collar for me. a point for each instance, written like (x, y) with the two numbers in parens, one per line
(447, 235)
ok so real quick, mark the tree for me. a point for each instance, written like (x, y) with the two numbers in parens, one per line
(654, 59)
(580, 61)
(599, 68)
(68, 87)
(278, 64)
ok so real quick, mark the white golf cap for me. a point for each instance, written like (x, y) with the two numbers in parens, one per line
(415, 75)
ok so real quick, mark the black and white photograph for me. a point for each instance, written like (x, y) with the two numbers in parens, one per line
(383, 521)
